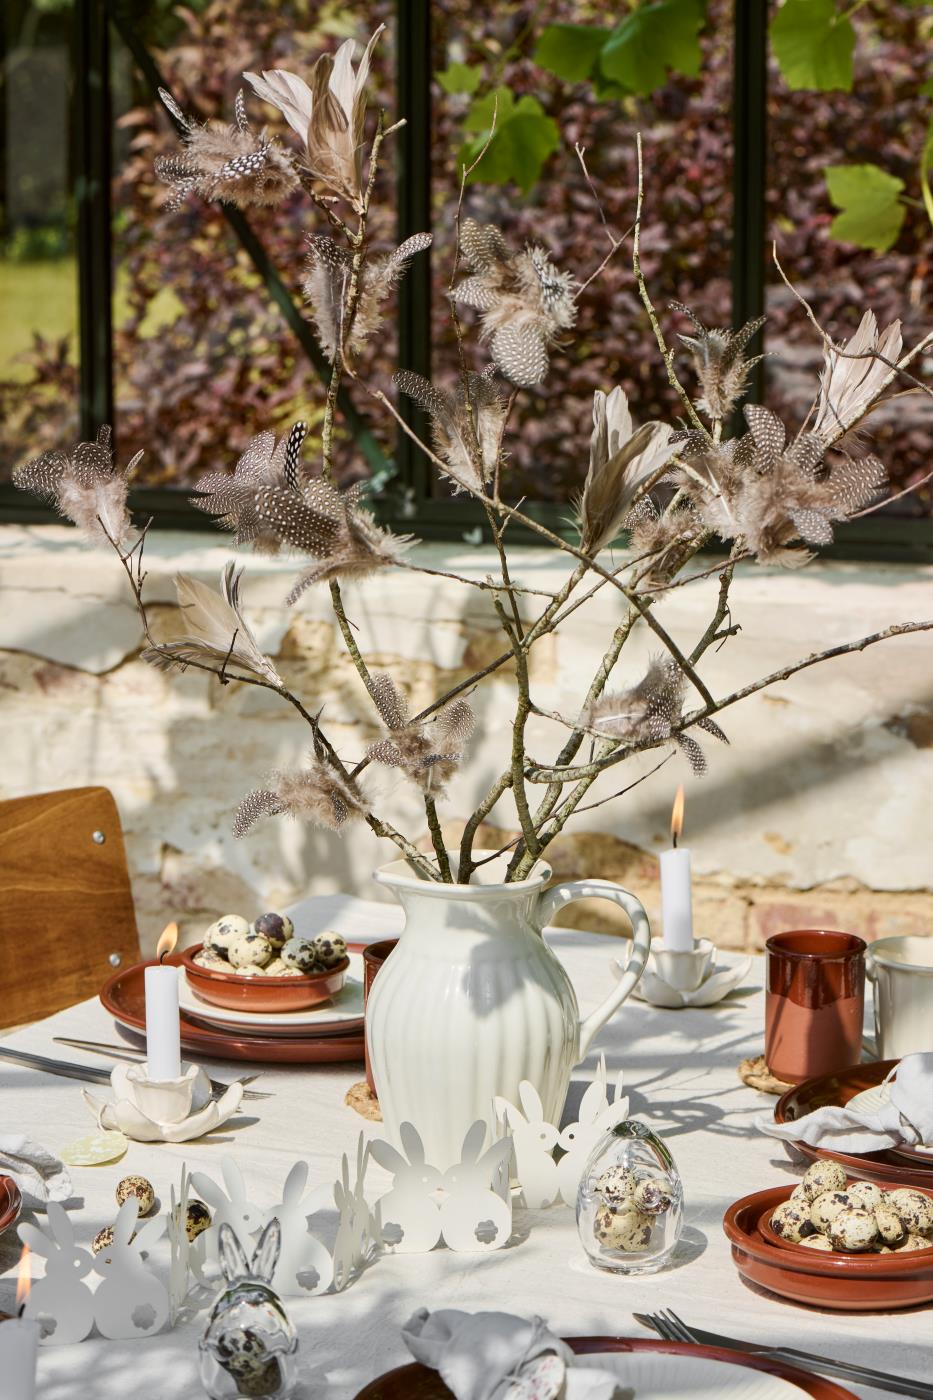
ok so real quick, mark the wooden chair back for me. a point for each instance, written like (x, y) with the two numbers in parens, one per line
(66, 907)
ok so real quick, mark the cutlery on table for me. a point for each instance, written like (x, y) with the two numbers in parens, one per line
(133, 1053)
(669, 1326)
(92, 1074)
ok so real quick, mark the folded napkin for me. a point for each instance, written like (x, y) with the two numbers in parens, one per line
(496, 1356)
(40, 1176)
(905, 1120)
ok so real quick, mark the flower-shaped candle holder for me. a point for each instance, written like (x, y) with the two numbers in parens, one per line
(674, 978)
(173, 1110)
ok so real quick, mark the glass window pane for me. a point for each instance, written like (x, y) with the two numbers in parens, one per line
(38, 282)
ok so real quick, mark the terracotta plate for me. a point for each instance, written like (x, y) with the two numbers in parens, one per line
(842, 1282)
(11, 1203)
(123, 995)
(836, 1090)
(861, 1262)
(417, 1382)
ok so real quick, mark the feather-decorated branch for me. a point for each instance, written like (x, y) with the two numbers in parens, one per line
(217, 629)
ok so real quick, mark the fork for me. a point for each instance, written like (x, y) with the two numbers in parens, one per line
(669, 1326)
(129, 1052)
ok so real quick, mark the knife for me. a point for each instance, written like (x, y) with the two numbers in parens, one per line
(63, 1067)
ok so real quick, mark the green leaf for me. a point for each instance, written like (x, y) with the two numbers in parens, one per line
(813, 45)
(868, 197)
(460, 78)
(570, 50)
(524, 137)
(651, 40)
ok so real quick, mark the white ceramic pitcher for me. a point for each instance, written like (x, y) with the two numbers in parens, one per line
(473, 1001)
(901, 969)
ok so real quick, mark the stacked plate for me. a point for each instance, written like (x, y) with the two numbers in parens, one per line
(327, 1033)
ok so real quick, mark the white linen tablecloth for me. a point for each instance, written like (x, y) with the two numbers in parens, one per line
(680, 1073)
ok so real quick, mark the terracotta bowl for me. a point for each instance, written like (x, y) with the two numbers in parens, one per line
(261, 993)
(842, 1282)
(770, 1236)
(11, 1203)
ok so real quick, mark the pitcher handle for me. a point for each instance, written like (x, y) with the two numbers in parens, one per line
(559, 895)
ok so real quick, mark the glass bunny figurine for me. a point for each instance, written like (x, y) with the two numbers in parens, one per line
(630, 1201)
(250, 1346)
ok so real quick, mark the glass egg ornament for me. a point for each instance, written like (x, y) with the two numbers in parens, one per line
(630, 1204)
(250, 1346)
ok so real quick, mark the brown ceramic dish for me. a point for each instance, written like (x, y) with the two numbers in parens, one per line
(11, 1203)
(261, 993)
(416, 1382)
(123, 995)
(842, 1282)
(836, 1090)
(771, 1236)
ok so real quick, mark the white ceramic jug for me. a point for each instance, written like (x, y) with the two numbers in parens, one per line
(473, 1001)
(901, 969)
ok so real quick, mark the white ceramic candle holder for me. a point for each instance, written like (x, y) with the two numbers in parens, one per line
(173, 1110)
(675, 978)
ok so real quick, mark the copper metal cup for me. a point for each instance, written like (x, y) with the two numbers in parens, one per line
(374, 955)
(814, 1003)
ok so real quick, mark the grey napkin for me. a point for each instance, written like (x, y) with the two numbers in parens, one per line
(488, 1355)
(905, 1120)
(40, 1175)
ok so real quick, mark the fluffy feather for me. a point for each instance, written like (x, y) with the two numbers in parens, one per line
(217, 629)
(649, 711)
(317, 794)
(84, 486)
(325, 285)
(427, 752)
(720, 362)
(848, 386)
(224, 162)
(232, 498)
(622, 458)
(466, 426)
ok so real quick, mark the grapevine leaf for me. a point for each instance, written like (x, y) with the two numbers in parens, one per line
(651, 40)
(460, 78)
(570, 51)
(868, 198)
(813, 45)
(523, 138)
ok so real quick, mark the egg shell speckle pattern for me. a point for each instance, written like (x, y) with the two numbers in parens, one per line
(210, 958)
(915, 1209)
(139, 1187)
(891, 1227)
(616, 1184)
(278, 928)
(222, 933)
(817, 1242)
(791, 1221)
(250, 950)
(301, 954)
(865, 1194)
(824, 1176)
(626, 1230)
(330, 948)
(853, 1231)
(826, 1207)
(915, 1242)
(197, 1219)
(652, 1197)
(103, 1239)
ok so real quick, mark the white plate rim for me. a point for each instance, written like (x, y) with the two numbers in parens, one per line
(282, 1022)
(659, 1375)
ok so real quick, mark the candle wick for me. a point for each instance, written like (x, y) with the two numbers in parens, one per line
(22, 1309)
(674, 834)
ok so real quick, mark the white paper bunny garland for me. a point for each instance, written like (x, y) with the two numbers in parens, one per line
(130, 1301)
(544, 1180)
(468, 1207)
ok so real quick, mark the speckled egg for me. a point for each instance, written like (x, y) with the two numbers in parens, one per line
(891, 1227)
(331, 949)
(222, 933)
(197, 1219)
(817, 1242)
(800, 1195)
(252, 971)
(278, 928)
(275, 968)
(627, 1230)
(250, 950)
(209, 957)
(616, 1184)
(866, 1195)
(104, 1239)
(139, 1187)
(791, 1221)
(652, 1197)
(825, 1208)
(915, 1241)
(914, 1208)
(824, 1176)
(301, 954)
(853, 1231)
(246, 1357)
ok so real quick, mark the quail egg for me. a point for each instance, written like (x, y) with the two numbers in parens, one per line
(866, 1195)
(139, 1187)
(915, 1241)
(914, 1208)
(853, 1231)
(824, 1176)
(278, 928)
(616, 1184)
(626, 1230)
(791, 1221)
(301, 953)
(652, 1197)
(817, 1242)
(250, 950)
(222, 933)
(891, 1227)
(209, 957)
(801, 1196)
(826, 1207)
(197, 1219)
(331, 949)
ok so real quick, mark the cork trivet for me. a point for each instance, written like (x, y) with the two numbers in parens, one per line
(755, 1073)
(363, 1101)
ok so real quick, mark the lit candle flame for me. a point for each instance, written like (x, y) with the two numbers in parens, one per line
(23, 1279)
(677, 815)
(167, 940)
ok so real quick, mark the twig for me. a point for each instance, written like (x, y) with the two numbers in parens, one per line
(437, 838)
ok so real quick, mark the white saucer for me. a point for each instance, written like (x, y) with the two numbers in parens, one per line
(345, 1007)
(658, 1376)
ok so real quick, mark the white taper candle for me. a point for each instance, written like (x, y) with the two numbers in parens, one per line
(19, 1346)
(163, 1029)
(677, 900)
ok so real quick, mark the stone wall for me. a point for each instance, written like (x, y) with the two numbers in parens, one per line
(817, 812)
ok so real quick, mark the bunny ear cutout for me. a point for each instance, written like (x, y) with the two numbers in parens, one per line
(37, 1240)
(149, 1234)
(616, 1114)
(295, 1182)
(62, 1228)
(207, 1190)
(125, 1222)
(411, 1143)
(530, 1100)
(233, 1258)
(266, 1253)
(473, 1142)
(388, 1157)
(497, 1156)
(233, 1179)
(594, 1099)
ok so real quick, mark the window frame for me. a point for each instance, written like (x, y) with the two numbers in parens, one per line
(434, 517)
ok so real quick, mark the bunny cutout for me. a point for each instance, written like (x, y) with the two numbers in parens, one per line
(234, 1209)
(359, 1234)
(533, 1143)
(249, 1334)
(410, 1217)
(61, 1304)
(304, 1265)
(596, 1116)
(477, 1214)
(131, 1301)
